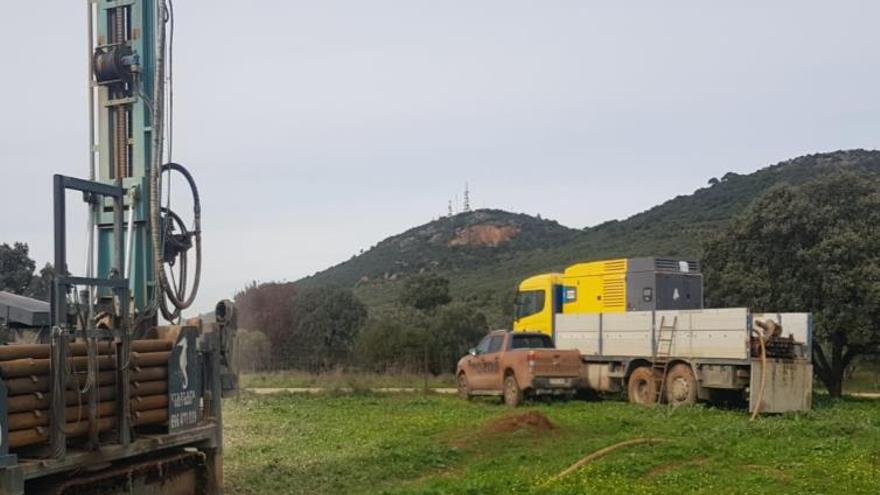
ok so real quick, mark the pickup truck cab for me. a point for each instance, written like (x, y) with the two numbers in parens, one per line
(514, 365)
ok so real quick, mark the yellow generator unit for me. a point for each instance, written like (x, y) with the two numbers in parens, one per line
(608, 286)
(595, 287)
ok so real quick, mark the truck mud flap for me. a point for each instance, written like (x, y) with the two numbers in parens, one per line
(788, 387)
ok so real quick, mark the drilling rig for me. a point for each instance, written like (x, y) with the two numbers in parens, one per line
(123, 395)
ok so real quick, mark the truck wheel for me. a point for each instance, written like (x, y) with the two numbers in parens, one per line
(512, 393)
(464, 388)
(642, 386)
(681, 386)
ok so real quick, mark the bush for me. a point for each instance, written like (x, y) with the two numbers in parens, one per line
(412, 341)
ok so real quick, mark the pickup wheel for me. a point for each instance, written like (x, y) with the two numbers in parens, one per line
(464, 387)
(642, 386)
(681, 386)
(513, 396)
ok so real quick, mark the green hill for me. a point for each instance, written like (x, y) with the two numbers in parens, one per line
(486, 252)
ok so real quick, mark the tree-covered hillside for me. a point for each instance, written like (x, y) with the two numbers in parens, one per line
(486, 252)
(460, 242)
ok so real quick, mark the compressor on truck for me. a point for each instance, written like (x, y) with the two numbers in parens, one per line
(640, 327)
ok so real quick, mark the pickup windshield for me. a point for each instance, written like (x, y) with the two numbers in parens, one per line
(527, 341)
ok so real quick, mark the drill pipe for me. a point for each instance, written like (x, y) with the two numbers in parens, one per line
(40, 400)
(40, 434)
(30, 366)
(41, 351)
(150, 358)
(31, 384)
(73, 414)
(149, 388)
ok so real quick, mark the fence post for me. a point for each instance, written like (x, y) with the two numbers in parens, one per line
(425, 370)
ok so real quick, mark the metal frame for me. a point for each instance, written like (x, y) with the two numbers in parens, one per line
(63, 282)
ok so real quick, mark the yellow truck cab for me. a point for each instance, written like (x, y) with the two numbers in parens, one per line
(608, 286)
(538, 300)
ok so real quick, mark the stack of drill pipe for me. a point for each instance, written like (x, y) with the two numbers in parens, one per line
(149, 382)
(25, 370)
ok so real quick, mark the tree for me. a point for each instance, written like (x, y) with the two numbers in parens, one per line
(325, 321)
(253, 348)
(815, 248)
(16, 268)
(41, 285)
(425, 292)
(453, 330)
(266, 308)
(417, 341)
(393, 341)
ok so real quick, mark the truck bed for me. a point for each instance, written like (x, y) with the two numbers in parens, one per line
(710, 334)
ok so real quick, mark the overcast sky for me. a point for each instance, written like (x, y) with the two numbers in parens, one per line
(319, 128)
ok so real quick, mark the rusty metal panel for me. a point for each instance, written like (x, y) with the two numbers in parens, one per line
(788, 387)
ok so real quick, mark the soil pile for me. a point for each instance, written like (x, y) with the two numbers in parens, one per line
(532, 421)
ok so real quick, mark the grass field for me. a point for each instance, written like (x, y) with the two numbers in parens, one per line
(412, 443)
(865, 379)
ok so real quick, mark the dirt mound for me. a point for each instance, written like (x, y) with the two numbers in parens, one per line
(532, 421)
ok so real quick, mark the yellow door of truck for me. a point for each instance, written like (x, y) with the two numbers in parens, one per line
(538, 299)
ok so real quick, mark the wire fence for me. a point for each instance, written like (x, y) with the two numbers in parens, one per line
(262, 357)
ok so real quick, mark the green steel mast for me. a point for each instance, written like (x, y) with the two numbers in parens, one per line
(128, 53)
(122, 87)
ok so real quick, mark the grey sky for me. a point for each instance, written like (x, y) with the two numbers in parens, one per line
(318, 128)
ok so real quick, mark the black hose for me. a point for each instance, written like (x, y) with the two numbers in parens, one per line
(177, 296)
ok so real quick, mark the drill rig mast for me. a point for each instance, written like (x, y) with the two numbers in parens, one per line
(129, 55)
(113, 388)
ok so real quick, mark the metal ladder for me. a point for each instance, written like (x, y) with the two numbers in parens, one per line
(663, 351)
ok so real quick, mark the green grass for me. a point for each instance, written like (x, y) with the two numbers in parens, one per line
(339, 379)
(865, 379)
(410, 443)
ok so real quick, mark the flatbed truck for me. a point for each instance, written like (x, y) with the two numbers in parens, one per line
(641, 328)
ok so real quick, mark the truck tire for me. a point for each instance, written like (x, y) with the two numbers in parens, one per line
(513, 396)
(464, 387)
(642, 387)
(681, 386)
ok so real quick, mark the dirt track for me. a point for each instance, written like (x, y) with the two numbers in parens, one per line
(320, 390)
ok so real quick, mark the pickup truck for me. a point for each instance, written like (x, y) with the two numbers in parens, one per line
(515, 365)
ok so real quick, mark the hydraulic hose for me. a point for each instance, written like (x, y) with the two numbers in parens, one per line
(177, 296)
(768, 329)
(157, 134)
(167, 292)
